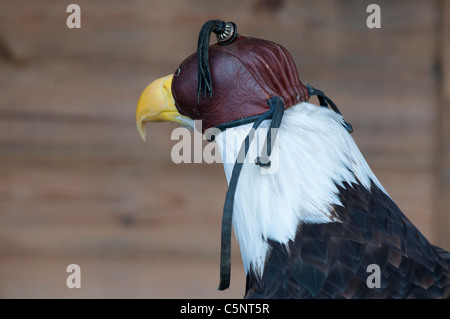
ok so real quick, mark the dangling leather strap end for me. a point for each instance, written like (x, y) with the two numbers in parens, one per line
(263, 161)
(276, 105)
(324, 101)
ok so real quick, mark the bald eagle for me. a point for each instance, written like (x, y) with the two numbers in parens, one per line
(314, 226)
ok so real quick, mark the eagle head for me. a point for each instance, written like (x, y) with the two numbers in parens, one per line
(224, 85)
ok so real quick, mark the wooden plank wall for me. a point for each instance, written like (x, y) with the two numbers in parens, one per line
(443, 150)
(77, 185)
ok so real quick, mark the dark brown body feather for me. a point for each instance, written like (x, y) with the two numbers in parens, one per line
(330, 260)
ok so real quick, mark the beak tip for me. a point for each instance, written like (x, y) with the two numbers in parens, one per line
(142, 132)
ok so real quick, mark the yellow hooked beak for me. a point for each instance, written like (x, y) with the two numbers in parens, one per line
(156, 104)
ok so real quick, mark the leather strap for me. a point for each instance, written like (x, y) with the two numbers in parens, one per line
(275, 113)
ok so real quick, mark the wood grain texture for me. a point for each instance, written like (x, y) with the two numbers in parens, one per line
(442, 196)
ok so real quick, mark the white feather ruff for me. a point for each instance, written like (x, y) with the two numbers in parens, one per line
(315, 153)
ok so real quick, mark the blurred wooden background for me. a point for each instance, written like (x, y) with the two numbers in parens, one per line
(77, 184)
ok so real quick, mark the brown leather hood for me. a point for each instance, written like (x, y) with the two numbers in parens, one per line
(245, 74)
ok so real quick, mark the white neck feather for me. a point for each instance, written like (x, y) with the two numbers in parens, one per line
(314, 154)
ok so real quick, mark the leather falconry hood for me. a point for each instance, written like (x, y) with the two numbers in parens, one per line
(244, 74)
